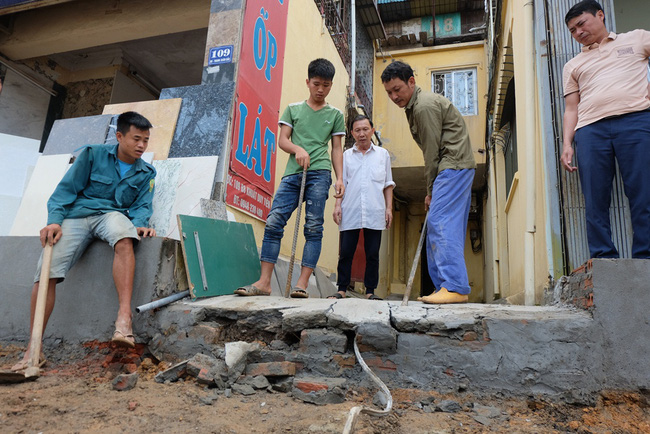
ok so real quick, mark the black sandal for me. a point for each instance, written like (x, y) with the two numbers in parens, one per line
(374, 297)
(336, 296)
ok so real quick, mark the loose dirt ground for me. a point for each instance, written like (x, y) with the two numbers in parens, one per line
(75, 395)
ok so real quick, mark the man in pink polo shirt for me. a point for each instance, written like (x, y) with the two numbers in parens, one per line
(607, 115)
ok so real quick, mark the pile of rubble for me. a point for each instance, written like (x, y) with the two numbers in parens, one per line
(245, 368)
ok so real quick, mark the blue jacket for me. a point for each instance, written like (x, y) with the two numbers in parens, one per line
(93, 186)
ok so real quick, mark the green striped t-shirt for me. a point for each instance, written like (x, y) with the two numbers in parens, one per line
(312, 130)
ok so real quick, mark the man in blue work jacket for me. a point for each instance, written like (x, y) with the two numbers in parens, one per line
(106, 194)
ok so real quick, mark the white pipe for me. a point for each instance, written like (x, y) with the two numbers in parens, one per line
(528, 60)
(495, 221)
(353, 47)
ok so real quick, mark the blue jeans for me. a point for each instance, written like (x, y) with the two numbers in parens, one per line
(285, 202)
(446, 228)
(626, 138)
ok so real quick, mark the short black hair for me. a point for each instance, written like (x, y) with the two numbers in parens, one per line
(359, 118)
(127, 119)
(591, 6)
(397, 69)
(322, 68)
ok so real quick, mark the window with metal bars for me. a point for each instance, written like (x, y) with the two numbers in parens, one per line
(459, 86)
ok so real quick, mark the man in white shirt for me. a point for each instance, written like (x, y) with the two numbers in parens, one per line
(367, 205)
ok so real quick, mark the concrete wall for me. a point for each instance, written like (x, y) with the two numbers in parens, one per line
(87, 98)
(125, 89)
(83, 24)
(631, 14)
(86, 302)
(307, 39)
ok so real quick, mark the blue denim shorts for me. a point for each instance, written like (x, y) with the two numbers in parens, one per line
(77, 234)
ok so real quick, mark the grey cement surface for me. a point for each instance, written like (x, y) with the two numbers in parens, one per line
(68, 135)
(622, 307)
(86, 302)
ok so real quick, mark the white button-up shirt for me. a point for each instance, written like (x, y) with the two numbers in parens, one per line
(365, 177)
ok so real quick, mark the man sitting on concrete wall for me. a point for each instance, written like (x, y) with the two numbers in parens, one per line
(106, 194)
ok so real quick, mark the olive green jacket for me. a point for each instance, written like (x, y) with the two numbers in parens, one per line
(439, 130)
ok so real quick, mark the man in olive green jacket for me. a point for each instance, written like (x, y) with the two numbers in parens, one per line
(439, 130)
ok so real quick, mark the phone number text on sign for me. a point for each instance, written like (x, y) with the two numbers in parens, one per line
(247, 197)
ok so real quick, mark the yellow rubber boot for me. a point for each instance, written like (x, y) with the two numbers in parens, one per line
(444, 297)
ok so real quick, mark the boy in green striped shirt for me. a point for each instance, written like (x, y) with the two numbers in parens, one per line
(305, 130)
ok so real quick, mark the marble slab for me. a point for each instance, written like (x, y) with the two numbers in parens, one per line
(214, 209)
(167, 173)
(111, 138)
(68, 136)
(19, 154)
(32, 213)
(162, 114)
(194, 181)
(203, 120)
(8, 209)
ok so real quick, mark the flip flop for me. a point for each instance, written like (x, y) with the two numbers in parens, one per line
(337, 295)
(249, 290)
(374, 297)
(123, 340)
(299, 293)
(22, 365)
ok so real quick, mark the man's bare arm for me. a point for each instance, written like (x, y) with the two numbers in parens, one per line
(337, 163)
(388, 197)
(570, 121)
(285, 143)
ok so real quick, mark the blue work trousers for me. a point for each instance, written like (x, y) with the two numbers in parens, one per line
(446, 229)
(625, 138)
(285, 202)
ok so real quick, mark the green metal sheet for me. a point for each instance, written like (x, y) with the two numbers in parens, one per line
(226, 251)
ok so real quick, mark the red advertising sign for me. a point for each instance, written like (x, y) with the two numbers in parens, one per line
(251, 173)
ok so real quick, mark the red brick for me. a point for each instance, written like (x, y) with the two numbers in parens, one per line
(470, 336)
(204, 376)
(307, 386)
(345, 360)
(271, 369)
(125, 382)
(377, 362)
(207, 333)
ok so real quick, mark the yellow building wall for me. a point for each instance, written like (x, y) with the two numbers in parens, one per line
(307, 39)
(390, 121)
(525, 99)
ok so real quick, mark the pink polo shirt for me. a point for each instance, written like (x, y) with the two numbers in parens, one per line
(612, 77)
